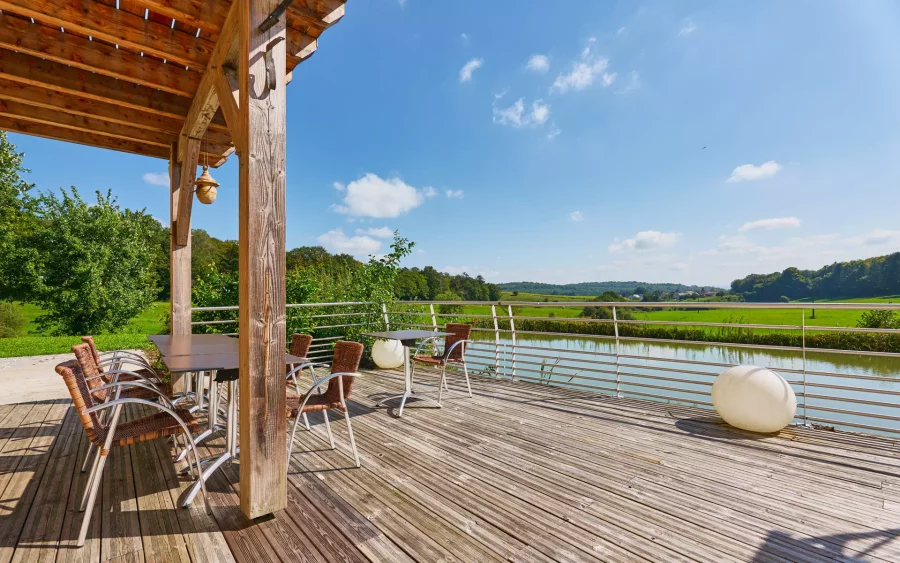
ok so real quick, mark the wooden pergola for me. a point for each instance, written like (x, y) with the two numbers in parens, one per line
(181, 79)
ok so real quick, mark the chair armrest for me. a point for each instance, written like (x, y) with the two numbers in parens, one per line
(319, 383)
(423, 342)
(455, 344)
(134, 384)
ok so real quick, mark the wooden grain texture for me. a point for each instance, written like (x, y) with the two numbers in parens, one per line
(189, 162)
(261, 238)
(179, 258)
(128, 31)
(227, 93)
(67, 48)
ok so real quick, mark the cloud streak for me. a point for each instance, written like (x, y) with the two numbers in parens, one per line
(747, 172)
(770, 224)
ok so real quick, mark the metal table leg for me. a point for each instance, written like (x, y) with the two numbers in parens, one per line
(213, 463)
(408, 386)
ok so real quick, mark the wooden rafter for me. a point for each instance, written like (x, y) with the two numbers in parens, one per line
(116, 26)
(50, 43)
(187, 176)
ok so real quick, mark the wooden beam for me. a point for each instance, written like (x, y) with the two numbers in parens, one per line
(300, 46)
(179, 257)
(323, 15)
(205, 102)
(51, 43)
(261, 241)
(80, 137)
(187, 177)
(227, 92)
(119, 27)
(208, 15)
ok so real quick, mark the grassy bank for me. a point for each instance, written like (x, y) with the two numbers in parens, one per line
(134, 335)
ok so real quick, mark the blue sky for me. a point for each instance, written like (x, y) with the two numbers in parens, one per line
(565, 143)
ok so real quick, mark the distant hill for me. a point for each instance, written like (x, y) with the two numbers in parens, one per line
(871, 277)
(596, 288)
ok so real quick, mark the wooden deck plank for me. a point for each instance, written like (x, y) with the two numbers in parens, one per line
(521, 472)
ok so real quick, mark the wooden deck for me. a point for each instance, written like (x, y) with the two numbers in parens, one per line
(521, 472)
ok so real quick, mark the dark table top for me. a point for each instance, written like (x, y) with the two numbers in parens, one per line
(407, 337)
(193, 344)
(205, 362)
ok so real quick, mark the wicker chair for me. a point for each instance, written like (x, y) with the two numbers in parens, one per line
(300, 344)
(344, 368)
(106, 434)
(118, 358)
(454, 353)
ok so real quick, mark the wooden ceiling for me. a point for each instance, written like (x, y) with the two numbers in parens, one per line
(123, 74)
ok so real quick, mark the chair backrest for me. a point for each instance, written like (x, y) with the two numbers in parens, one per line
(89, 340)
(346, 360)
(82, 399)
(300, 345)
(458, 331)
(89, 370)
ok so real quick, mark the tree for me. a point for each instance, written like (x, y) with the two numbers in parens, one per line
(16, 223)
(94, 264)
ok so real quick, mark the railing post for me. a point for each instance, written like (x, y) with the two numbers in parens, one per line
(433, 317)
(387, 321)
(512, 330)
(616, 329)
(803, 343)
(496, 341)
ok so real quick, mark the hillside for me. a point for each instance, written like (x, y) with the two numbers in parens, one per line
(870, 277)
(596, 288)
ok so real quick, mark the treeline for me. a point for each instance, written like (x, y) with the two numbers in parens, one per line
(871, 277)
(428, 284)
(597, 288)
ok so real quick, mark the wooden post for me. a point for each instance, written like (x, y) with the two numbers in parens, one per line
(261, 222)
(179, 259)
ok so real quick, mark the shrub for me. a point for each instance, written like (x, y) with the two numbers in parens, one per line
(12, 321)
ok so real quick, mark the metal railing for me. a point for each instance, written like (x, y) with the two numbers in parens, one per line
(649, 358)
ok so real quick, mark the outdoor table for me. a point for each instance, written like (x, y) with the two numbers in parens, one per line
(223, 368)
(407, 338)
(188, 345)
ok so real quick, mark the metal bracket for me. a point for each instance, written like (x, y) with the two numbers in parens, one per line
(272, 19)
(271, 76)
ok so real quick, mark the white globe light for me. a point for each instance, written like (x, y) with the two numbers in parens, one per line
(754, 398)
(387, 354)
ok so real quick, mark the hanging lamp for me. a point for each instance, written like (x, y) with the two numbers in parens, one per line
(205, 186)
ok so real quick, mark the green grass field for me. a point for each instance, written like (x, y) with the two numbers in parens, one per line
(36, 344)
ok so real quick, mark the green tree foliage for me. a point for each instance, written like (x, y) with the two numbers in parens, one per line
(12, 321)
(94, 263)
(870, 277)
(426, 284)
(595, 288)
(16, 223)
(606, 312)
(878, 318)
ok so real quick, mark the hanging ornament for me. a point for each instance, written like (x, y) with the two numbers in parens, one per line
(205, 186)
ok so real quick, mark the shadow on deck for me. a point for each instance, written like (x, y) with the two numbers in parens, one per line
(519, 472)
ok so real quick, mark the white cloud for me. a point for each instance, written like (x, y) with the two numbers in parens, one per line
(645, 240)
(517, 116)
(621, 30)
(687, 29)
(576, 216)
(379, 232)
(769, 224)
(633, 83)
(465, 73)
(879, 237)
(751, 172)
(453, 194)
(464, 37)
(339, 186)
(371, 196)
(583, 72)
(554, 132)
(157, 178)
(428, 191)
(337, 242)
(538, 63)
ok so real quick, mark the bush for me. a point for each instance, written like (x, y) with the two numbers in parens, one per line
(784, 299)
(12, 321)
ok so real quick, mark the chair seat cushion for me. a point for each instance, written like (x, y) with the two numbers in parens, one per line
(315, 403)
(157, 425)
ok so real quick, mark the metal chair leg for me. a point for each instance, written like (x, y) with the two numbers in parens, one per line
(92, 477)
(87, 457)
(306, 422)
(293, 433)
(443, 383)
(328, 429)
(91, 498)
(468, 386)
(352, 440)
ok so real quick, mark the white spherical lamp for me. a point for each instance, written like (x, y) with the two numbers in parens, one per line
(387, 354)
(754, 398)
